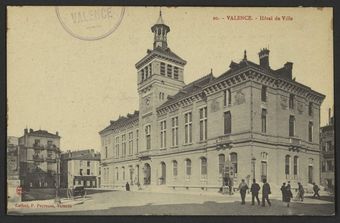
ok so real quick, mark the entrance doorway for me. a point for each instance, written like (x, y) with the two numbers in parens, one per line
(147, 174)
(310, 174)
(163, 173)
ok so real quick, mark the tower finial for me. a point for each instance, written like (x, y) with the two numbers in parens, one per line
(245, 55)
(160, 11)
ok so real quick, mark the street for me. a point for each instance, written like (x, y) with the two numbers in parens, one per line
(151, 203)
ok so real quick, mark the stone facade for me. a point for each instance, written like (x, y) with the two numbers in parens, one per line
(80, 168)
(38, 152)
(327, 156)
(250, 122)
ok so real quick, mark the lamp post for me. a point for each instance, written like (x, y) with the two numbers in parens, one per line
(57, 185)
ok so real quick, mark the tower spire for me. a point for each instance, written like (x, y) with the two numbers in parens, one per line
(160, 30)
(245, 55)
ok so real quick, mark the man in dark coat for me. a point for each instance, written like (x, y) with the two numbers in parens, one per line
(254, 189)
(288, 194)
(243, 189)
(301, 192)
(316, 190)
(127, 186)
(283, 191)
(265, 193)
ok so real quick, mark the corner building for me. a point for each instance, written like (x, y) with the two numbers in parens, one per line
(250, 122)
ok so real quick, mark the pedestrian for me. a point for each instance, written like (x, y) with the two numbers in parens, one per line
(243, 187)
(265, 193)
(127, 186)
(316, 190)
(301, 192)
(287, 194)
(283, 190)
(254, 189)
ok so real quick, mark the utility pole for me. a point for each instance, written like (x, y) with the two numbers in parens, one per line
(57, 197)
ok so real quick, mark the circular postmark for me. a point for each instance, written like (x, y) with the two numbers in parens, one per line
(90, 23)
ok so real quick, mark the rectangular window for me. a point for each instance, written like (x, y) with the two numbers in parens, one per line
(264, 120)
(88, 163)
(162, 68)
(227, 122)
(142, 71)
(291, 125)
(176, 73)
(227, 97)
(287, 165)
(148, 136)
(130, 143)
(323, 166)
(204, 167)
(123, 145)
(81, 172)
(203, 123)
(163, 134)
(169, 70)
(174, 131)
(105, 151)
(329, 146)
(291, 101)
(174, 173)
(117, 147)
(310, 108)
(137, 135)
(188, 127)
(150, 70)
(264, 94)
(310, 131)
(296, 165)
(88, 172)
(330, 166)
(146, 72)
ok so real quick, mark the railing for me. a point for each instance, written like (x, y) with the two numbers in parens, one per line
(51, 147)
(38, 146)
(38, 158)
(50, 159)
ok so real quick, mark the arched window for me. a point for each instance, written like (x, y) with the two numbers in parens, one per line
(233, 161)
(123, 173)
(287, 164)
(187, 167)
(174, 168)
(117, 174)
(296, 158)
(221, 162)
(310, 131)
(204, 167)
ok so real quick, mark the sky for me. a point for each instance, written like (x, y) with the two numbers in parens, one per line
(57, 82)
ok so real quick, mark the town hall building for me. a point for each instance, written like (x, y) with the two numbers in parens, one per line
(251, 122)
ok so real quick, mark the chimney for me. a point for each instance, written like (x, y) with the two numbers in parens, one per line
(31, 130)
(25, 131)
(264, 58)
(57, 133)
(289, 68)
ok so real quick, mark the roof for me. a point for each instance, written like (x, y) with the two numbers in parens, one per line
(122, 121)
(159, 51)
(42, 133)
(189, 89)
(81, 155)
(281, 73)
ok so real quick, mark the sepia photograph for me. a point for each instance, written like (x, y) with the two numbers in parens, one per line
(117, 110)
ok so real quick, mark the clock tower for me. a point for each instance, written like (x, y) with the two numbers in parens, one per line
(160, 74)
